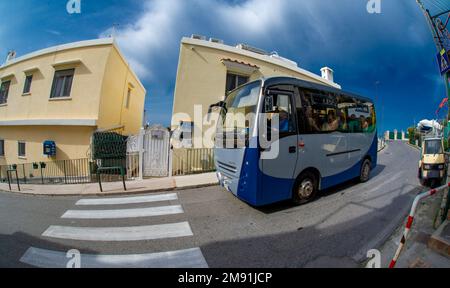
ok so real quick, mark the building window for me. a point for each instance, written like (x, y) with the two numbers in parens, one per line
(4, 90)
(234, 81)
(22, 149)
(2, 147)
(27, 86)
(62, 83)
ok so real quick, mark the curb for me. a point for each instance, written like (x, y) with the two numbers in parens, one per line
(121, 193)
(384, 147)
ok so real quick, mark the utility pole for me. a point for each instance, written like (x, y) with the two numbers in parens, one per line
(436, 31)
(431, 20)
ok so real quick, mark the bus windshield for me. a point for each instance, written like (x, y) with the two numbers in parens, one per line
(433, 147)
(241, 106)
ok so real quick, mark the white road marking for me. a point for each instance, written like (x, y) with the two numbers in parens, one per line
(128, 200)
(190, 258)
(115, 234)
(123, 213)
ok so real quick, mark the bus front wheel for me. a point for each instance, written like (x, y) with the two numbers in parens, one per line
(305, 189)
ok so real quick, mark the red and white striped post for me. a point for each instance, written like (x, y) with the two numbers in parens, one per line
(419, 198)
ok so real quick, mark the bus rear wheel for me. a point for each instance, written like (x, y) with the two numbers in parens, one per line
(365, 171)
(305, 189)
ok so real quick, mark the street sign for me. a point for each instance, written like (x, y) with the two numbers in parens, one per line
(443, 60)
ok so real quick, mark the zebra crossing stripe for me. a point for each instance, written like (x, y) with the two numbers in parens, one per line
(114, 234)
(123, 213)
(128, 200)
(189, 258)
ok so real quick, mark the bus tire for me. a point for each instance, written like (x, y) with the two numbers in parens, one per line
(305, 189)
(366, 167)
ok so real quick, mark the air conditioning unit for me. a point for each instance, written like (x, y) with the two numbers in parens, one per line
(251, 49)
(215, 40)
(198, 37)
(11, 56)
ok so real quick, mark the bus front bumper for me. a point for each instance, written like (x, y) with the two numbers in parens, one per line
(226, 182)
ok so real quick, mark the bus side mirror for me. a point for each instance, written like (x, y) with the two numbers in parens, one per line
(220, 104)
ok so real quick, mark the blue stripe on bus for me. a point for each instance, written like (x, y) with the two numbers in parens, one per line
(259, 189)
(248, 187)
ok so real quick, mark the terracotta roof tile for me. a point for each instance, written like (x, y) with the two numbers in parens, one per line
(239, 62)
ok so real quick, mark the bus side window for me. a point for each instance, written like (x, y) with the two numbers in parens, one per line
(372, 119)
(281, 104)
(308, 118)
(318, 113)
(302, 106)
(352, 110)
(284, 104)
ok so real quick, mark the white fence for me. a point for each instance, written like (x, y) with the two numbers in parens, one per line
(156, 147)
(149, 155)
(148, 152)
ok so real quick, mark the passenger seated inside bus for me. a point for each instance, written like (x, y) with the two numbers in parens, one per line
(332, 123)
(284, 121)
(312, 123)
(354, 124)
(343, 127)
(364, 123)
(369, 125)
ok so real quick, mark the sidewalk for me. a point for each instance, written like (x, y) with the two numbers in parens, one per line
(417, 252)
(116, 188)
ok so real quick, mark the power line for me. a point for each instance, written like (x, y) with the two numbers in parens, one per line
(437, 6)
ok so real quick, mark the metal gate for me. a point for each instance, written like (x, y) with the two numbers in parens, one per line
(156, 152)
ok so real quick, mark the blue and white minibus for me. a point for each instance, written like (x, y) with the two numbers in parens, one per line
(325, 137)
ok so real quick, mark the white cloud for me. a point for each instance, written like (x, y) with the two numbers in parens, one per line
(152, 40)
(149, 35)
(156, 33)
(254, 16)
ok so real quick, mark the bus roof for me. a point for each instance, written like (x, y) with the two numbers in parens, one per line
(305, 84)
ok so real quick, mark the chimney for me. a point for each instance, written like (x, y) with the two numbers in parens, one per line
(11, 56)
(328, 74)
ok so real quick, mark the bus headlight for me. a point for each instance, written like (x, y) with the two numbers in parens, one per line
(441, 167)
(427, 167)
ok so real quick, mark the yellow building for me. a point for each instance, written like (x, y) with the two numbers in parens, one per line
(64, 94)
(207, 70)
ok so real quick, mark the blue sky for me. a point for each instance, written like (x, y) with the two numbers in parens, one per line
(394, 47)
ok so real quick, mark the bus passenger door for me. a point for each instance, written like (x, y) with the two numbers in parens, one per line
(278, 173)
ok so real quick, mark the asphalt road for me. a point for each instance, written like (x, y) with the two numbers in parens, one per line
(209, 227)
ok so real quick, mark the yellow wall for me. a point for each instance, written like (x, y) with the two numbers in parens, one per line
(201, 77)
(113, 111)
(99, 90)
(85, 94)
(71, 142)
